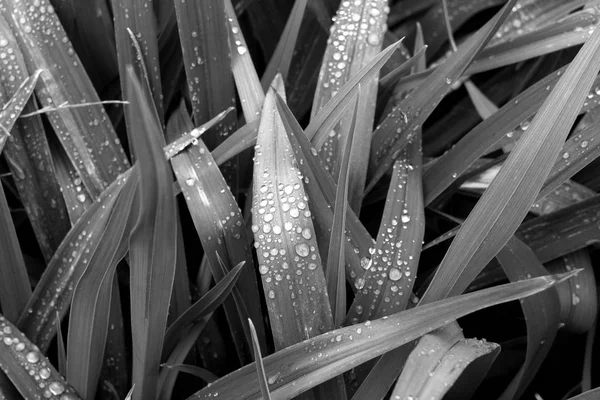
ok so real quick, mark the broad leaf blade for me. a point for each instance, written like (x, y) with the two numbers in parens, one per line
(152, 244)
(293, 370)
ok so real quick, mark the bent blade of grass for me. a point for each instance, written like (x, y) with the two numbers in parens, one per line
(321, 191)
(91, 305)
(542, 313)
(402, 123)
(503, 206)
(439, 363)
(335, 273)
(220, 227)
(152, 244)
(260, 368)
(390, 278)
(282, 56)
(26, 366)
(65, 268)
(85, 132)
(15, 288)
(292, 371)
(136, 17)
(352, 44)
(289, 262)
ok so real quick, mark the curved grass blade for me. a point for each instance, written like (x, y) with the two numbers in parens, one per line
(260, 369)
(282, 56)
(15, 288)
(168, 376)
(90, 309)
(503, 206)
(289, 262)
(220, 226)
(437, 363)
(151, 244)
(335, 274)
(402, 123)
(204, 306)
(31, 373)
(85, 132)
(198, 372)
(542, 313)
(355, 39)
(54, 291)
(321, 190)
(293, 370)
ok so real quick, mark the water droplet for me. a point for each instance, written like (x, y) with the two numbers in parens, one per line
(565, 155)
(32, 357)
(241, 50)
(373, 39)
(56, 388)
(271, 294)
(395, 274)
(263, 269)
(190, 181)
(448, 81)
(405, 219)
(302, 249)
(81, 197)
(584, 144)
(312, 266)
(45, 373)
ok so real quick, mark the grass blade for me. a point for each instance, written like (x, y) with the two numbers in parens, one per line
(54, 291)
(335, 271)
(286, 246)
(151, 244)
(355, 39)
(90, 310)
(135, 18)
(204, 306)
(14, 107)
(198, 372)
(321, 190)
(28, 369)
(542, 313)
(15, 288)
(504, 205)
(260, 369)
(282, 56)
(400, 125)
(292, 371)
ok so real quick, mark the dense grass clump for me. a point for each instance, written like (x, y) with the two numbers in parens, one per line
(316, 199)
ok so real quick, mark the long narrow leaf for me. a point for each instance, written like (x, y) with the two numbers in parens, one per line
(293, 370)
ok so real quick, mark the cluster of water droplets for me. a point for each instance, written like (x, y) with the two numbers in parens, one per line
(42, 374)
(288, 257)
(387, 284)
(355, 36)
